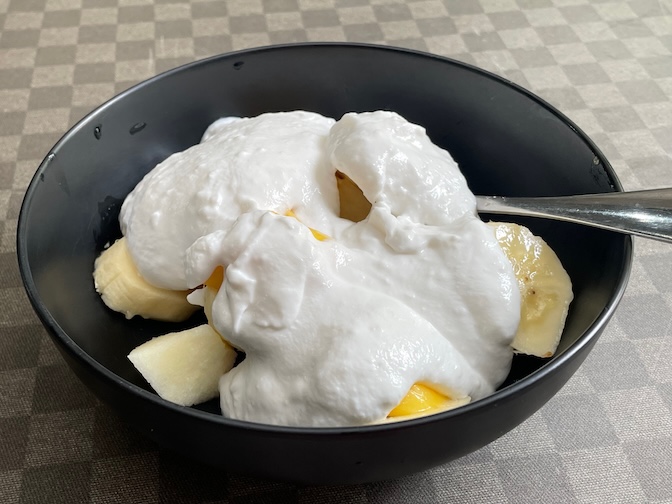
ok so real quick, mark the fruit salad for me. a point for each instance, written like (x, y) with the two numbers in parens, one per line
(345, 260)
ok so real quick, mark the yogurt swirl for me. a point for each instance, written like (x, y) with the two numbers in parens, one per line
(335, 331)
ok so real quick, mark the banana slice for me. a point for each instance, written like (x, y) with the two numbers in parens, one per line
(119, 283)
(353, 204)
(545, 289)
(320, 236)
(184, 367)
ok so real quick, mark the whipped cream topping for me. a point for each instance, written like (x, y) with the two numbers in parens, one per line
(336, 331)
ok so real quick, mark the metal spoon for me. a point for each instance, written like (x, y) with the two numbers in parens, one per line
(641, 213)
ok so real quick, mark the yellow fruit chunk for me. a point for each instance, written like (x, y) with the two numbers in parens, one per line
(418, 400)
(209, 295)
(545, 289)
(317, 234)
(422, 400)
(210, 289)
(215, 280)
(123, 289)
(353, 204)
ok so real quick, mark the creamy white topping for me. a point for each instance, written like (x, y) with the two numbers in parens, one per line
(274, 163)
(335, 332)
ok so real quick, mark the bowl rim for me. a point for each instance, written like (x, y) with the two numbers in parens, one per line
(69, 345)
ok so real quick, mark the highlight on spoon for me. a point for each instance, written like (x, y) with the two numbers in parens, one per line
(645, 213)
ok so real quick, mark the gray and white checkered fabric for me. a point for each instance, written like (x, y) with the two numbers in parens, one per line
(606, 438)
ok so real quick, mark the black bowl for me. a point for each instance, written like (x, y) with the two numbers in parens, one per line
(507, 142)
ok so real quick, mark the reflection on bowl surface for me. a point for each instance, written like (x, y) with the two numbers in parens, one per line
(506, 141)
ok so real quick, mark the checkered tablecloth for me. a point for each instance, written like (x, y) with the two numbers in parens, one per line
(606, 438)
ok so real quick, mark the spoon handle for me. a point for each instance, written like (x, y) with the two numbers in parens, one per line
(642, 213)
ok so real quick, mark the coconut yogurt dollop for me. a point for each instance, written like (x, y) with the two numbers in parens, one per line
(335, 331)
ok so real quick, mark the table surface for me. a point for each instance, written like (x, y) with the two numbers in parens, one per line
(606, 437)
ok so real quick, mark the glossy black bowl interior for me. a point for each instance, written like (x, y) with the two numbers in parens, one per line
(506, 141)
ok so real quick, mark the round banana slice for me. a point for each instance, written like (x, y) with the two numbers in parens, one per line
(545, 289)
(118, 281)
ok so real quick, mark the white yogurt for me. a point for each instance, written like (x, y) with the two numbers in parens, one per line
(335, 332)
(274, 162)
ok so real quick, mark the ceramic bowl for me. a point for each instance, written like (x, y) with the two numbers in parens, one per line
(507, 142)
